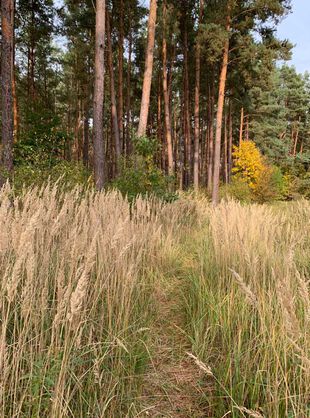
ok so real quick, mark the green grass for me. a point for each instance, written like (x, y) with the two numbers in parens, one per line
(88, 282)
(248, 309)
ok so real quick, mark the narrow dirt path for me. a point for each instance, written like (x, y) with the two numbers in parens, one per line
(173, 386)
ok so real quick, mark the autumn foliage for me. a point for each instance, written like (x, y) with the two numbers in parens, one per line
(248, 162)
(250, 167)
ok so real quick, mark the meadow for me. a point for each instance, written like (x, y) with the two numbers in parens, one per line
(182, 309)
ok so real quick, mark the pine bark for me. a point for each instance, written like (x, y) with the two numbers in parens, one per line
(197, 102)
(128, 99)
(230, 142)
(116, 132)
(210, 144)
(7, 67)
(32, 88)
(241, 126)
(147, 80)
(159, 131)
(225, 154)
(166, 99)
(120, 109)
(187, 126)
(99, 157)
(86, 137)
(15, 108)
(219, 117)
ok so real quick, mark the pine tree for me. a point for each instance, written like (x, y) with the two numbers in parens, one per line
(147, 80)
(99, 95)
(7, 68)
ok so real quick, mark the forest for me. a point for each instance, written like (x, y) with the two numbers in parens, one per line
(179, 98)
(154, 210)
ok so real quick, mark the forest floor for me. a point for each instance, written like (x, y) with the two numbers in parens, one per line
(174, 386)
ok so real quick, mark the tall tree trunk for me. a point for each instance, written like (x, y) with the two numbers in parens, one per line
(241, 125)
(78, 125)
(116, 132)
(86, 136)
(120, 109)
(147, 80)
(296, 137)
(225, 165)
(175, 141)
(188, 140)
(166, 98)
(230, 142)
(128, 104)
(211, 137)
(128, 98)
(7, 67)
(162, 156)
(219, 117)
(99, 95)
(197, 102)
(32, 55)
(15, 108)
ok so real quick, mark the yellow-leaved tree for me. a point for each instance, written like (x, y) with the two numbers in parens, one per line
(265, 181)
(248, 162)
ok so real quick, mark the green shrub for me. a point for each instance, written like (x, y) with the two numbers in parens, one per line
(44, 140)
(304, 186)
(139, 175)
(270, 185)
(67, 173)
(238, 189)
(39, 154)
(298, 186)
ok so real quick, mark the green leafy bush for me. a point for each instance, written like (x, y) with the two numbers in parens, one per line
(238, 189)
(44, 140)
(67, 173)
(139, 176)
(298, 186)
(270, 185)
(303, 185)
(39, 154)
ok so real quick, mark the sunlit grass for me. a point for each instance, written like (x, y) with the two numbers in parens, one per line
(248, 310)
(80, 275)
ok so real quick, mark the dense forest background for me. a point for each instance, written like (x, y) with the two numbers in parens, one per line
(216, 85)
(154, 238)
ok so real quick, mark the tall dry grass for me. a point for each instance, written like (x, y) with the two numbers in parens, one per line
(76, 300)
(248, 309)
(79, 276)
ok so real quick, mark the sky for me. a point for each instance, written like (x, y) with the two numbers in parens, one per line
(296, 28)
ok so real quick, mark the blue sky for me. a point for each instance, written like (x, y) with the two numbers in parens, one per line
(296, 28)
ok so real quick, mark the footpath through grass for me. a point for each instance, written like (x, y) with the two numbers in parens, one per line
(163, 310)
(235, 316)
